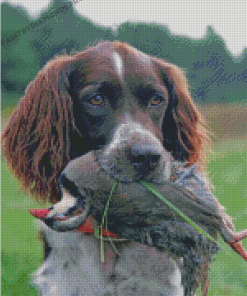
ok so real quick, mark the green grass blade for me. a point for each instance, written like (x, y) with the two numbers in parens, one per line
(103, 221)
(180, 213)
(107, 204)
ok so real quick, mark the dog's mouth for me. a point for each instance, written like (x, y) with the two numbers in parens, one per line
(122, 175)
(118, 168)
(123, 171)
(87, 174)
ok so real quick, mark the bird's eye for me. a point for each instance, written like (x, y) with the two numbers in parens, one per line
(97, 100)
(156, 100)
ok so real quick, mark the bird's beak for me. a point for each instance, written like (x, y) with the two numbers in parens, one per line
(68, 214)
(86, 227)
(42, 214)
(236, 243)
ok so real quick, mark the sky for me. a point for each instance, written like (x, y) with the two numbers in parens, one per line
(183, 17)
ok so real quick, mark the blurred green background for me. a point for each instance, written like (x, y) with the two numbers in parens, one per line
(218, 85)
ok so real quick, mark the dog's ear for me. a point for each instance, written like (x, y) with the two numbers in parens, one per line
(184, 130)
(36, 140)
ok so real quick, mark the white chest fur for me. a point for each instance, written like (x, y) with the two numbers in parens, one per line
(74, 268)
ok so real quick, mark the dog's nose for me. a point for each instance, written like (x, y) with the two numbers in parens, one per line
(144, 157)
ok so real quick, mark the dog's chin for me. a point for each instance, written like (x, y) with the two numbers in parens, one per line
(121, 175)
(120, 169)
(127, 175)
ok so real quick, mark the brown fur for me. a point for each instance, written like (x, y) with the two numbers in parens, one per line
(38, 138)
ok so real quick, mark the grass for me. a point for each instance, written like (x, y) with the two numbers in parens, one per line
(228, 172)
(22, 252)
(227, 121)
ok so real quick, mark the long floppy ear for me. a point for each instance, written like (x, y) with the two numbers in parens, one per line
(36, 140)
(184, 129)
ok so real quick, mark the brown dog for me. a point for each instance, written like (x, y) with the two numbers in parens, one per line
(110, 97)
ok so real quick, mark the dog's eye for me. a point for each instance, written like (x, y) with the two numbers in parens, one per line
(97, 100)
(156, 100)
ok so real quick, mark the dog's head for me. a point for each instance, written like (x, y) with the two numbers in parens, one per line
(110, 96)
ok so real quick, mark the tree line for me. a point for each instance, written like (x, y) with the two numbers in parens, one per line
(27, 44)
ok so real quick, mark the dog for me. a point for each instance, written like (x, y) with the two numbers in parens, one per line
(113, 97)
